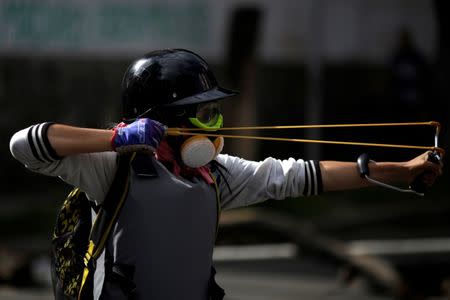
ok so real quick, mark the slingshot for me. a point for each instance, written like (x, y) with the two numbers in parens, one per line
(416, 187)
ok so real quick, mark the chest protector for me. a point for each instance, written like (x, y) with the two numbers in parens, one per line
(161, 245)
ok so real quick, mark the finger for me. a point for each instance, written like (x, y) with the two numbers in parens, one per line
(435, 171)
(430, 166)
(429, 176)
(441, 152)
(163, 130)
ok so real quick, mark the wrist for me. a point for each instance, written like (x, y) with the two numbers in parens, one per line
(112, 139)
(118, 138)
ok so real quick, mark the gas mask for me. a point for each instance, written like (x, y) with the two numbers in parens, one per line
(197, 151)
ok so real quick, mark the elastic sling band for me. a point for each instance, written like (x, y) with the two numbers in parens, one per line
(195, 131)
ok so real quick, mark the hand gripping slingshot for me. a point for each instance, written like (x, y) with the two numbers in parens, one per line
(417, 187)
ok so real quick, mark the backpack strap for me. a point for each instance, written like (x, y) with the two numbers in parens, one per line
(215, 291)
(218, 202)
(106, 217)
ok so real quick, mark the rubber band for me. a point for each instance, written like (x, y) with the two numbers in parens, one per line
(430, 123)
(190, 132)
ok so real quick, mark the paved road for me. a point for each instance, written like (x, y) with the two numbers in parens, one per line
(242, 286)
(281, 279)
(287, 279)
(7, 293)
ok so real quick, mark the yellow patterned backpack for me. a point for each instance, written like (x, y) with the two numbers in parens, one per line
(78, 242)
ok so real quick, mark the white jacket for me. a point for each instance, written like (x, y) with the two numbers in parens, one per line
(250, 181)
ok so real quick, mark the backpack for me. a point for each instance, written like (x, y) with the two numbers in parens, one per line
(77, 241)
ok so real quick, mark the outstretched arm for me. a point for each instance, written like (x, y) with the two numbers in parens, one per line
(338, 175)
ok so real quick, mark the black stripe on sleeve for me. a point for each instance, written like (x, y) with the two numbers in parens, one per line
(51, 152)
(31, 143)
(318, 177)
(307, 191)
(312, 182)
(40, 143)
(312, 169)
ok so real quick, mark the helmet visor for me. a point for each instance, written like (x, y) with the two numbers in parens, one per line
(213, 94)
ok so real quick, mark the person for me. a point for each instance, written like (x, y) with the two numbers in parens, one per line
(165, 233)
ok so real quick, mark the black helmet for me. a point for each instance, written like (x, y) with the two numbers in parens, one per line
(168, 78)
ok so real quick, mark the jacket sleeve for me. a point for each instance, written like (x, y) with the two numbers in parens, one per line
(91, 172)
(249, 182)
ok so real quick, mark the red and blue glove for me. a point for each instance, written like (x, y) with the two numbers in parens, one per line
(141, 135)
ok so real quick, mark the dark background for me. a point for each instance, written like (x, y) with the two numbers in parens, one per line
(84, 90)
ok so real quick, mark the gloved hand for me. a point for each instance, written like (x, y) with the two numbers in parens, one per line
(141, 135)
